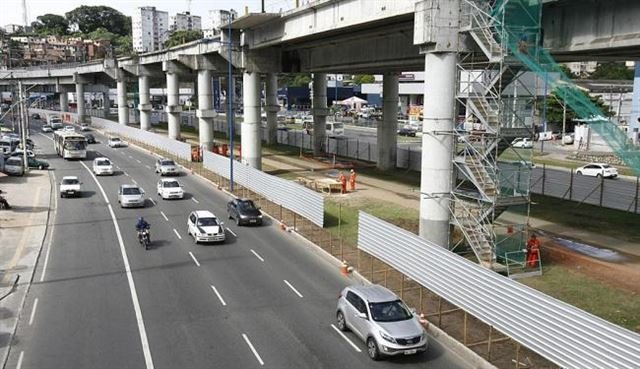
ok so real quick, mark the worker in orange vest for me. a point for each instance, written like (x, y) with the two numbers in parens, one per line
(343, 182)
(533, 249)
(352, 180)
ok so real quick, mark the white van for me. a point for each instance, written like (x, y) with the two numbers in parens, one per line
(14, 165)
(335, 129)
(55, 122)
(7, 146)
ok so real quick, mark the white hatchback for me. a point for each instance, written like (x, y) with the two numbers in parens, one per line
(115, 142)
(170, 189)
(204, 226)
(102, 166)
(597, 170)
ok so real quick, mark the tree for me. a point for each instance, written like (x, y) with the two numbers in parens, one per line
(181, 37)
(555, 108)
(359, 79)
(612, 70)
(51, 24)
(567, 72)
(102, 34)
(90, 18)
(123, 46)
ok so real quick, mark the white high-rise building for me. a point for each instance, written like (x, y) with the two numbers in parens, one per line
(218, 19)
(150, 29)
(185, 21)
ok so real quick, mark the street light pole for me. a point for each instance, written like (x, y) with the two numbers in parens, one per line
(230, 112)
(23, 125)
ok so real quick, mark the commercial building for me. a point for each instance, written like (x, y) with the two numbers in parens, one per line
(150, 29)
(185, 21)
(216, 20)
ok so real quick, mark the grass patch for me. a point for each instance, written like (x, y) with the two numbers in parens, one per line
(614, 223)
(617, 306)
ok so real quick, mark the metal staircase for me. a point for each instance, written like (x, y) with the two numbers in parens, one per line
(484, 189)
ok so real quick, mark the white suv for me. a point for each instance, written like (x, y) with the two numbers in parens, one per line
(102, 166)
(167, 167)
(378, 317)
(70, 186)
(203, 226)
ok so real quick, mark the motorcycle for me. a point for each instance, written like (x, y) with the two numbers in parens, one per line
(144, 238)
(4, 204)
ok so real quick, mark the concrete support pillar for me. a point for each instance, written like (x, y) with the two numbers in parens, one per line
(634, 117)
(387, 137)
(437, 146)
(319, 113)
(64, 101)
(205, 113)
(106, 104)
(145, 102)
(173, 105)
(123, 108)
(250, 137)
(413, 100)
(272, 108)
(80, 101)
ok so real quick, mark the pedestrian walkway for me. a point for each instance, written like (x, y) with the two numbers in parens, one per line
(22, 233)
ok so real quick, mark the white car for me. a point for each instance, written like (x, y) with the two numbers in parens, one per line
(70, 186)
(167, 167)
(68, 129)
(19, 151)
(203, 226)
(522, 143)
(47, 128)
(597, 170)
(115, 142)
(102, 166)
(84, 127)
(170, 189)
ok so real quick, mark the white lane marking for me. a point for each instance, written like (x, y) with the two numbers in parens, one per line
(126, 174)
(20, 358)
(164, 216)
(33, 311)
(346, 338)
(148, 167)
(194, 258)
(194, 200)
(135, 183)
(45, 136)
(55, 206)
(258, 256)
(139, 162)
(177, 234)
(144, 341)
(130, 157)
(230, 231)
(255, 353)
(293, 288)
(219, 296)
(152, 201)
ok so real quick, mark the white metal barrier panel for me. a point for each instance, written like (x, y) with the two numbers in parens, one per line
(290, 195)
(564, 334)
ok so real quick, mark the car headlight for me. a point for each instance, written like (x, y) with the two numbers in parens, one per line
(243, 216)
(260, 216)
(387, 337)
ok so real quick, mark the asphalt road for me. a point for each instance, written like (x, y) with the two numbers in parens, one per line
(264, 298)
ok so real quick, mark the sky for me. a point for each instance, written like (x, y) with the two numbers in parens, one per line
(12, 9)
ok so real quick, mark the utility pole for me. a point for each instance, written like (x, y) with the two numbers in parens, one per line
(23, 125)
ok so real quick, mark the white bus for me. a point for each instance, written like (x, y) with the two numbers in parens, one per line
(70, 145)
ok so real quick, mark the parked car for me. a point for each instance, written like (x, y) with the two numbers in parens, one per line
(46, 128)
(35, 116)
(522, 143)
(244, 211)
(170, 189)
(19, 152)
(91, 139)
(102, 165)
(115, 142)
(85, 127)
(407, 131)
(32, 162)
(597, 170)
(130, 196)
(68, 129)
(14, 165)
(70, 186)
(204, 226)
(568, 139)
(166, 167)
(378, 317)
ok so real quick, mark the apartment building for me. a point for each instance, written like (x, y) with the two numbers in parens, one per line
(217, 19)
(150, 29)
(185, 21)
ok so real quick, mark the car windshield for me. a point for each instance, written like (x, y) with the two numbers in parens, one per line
(171, 184)
(75, 145)
(167, 163)
(131, 191)
(246, 205)
(338, 126)
(70, 181)
(606, 166)
(115, 139)
(103, 162)
(207, 222)
(390, 311)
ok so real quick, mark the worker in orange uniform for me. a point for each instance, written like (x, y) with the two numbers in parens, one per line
(352, 180)
(343, 182)
(533, 249)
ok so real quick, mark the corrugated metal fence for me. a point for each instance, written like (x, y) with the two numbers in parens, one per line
(566, 335)
(293, 196)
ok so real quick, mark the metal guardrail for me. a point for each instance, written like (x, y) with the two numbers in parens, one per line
(290, 195)
(563, 334)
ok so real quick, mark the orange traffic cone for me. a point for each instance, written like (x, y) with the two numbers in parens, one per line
(344, 268)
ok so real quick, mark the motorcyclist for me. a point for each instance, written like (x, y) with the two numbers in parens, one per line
(4, 204)
(142, 225)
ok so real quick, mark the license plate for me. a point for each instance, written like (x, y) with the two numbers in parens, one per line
(252, 220)
(410, 352)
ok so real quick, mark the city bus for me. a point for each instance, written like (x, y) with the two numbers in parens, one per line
(70, 145)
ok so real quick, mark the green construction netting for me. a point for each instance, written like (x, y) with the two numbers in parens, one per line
(517, 24)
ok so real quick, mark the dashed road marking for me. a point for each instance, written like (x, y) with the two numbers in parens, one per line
(293, 288)
(194, 200)
(177, 234)
(164, 216)
(194, 258)
(346, 338)
(253, 349)
(219, 296)
(20, 358)
(257, 255)
(230, 231)
(33, 311)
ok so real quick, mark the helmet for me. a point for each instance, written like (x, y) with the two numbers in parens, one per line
(141, 219)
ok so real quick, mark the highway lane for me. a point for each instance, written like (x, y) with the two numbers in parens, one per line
(83, 315)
